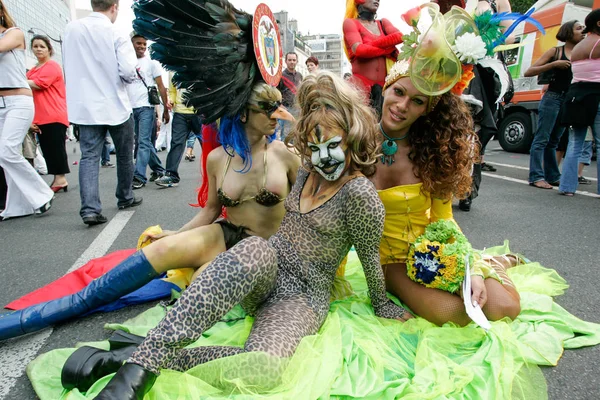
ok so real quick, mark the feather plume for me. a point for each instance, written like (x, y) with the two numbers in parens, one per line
(491, 30)
(208, 44)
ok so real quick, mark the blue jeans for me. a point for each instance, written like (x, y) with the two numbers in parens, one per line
(145, 120)
(545, 141)
(183, 125)
(586, 153)
(106, 151)
(91, 142)
(191, 140)
(568, 180)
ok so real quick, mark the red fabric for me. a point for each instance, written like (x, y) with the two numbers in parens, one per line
(51, 99)
(364, 84)
(355, 32)
(366, 51)
(210, 142)
(73, 281)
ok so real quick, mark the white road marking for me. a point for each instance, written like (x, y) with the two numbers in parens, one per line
(522, 168)
(105, 239)
(508, 178)
(17, 353)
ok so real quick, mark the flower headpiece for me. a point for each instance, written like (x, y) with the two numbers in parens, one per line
(440, 52)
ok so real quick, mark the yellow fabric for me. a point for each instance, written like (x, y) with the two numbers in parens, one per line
(176, 97)
(341, 271)
(181, 277)
(408, 210)
(144, 239)
(407, 213)
(389, 63)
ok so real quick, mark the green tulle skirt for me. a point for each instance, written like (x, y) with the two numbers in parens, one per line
(357, 355)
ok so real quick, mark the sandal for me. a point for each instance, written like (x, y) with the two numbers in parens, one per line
(568, 194)
(541, 185)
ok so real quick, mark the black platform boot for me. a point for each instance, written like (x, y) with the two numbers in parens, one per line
(131, 382)
(88, 364)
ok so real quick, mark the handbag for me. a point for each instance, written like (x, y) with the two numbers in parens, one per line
(153, 96)
(549, 76)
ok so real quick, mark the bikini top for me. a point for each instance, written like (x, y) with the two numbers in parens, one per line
(264, 197)
(587, 70)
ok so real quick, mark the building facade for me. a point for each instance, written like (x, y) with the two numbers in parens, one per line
(292, 40)
(328, 50)
(45, 17)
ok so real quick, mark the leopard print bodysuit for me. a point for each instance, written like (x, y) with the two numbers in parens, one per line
(284, 281)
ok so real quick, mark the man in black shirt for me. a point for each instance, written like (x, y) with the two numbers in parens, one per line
(290, 81)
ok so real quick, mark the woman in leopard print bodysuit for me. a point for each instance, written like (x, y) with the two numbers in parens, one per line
(284, 281)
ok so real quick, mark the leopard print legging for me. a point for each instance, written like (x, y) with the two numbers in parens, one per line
(285, 281)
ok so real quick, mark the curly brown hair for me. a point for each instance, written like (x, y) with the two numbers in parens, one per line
(443, 147)
(326, 99)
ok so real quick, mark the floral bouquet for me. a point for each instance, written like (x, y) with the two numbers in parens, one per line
(437, 258)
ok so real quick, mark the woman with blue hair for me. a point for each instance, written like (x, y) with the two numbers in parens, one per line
(249, 176)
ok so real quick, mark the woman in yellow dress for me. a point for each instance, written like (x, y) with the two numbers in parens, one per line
(428, 147)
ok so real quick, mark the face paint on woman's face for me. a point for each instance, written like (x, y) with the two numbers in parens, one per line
(328, 152)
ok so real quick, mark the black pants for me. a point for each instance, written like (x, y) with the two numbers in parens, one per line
(52, 141)
(3, 189)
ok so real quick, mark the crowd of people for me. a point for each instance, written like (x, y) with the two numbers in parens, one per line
(570, 73)
(303, 172)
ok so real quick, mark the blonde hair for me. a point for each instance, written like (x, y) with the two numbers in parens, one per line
(6, 19)
(326, 99)
(351, 9)
(263, 92)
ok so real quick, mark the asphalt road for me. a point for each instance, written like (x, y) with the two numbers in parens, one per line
(557, 231)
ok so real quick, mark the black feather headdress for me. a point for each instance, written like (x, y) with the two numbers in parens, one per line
(208, 44)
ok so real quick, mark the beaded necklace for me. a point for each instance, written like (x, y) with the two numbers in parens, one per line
(389, 147)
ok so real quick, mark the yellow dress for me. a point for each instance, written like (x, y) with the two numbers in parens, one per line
(408, 210)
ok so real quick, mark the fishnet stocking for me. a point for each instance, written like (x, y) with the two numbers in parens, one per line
(439, 307)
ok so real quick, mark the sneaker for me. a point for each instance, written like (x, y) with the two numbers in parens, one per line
(167, 181)
(134, 203)
(92, 220)
(488, 167)
(155, 175)
(584, 181)
(137, 183)
(108, 164)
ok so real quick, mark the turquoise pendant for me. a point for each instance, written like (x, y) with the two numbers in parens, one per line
(389, 148)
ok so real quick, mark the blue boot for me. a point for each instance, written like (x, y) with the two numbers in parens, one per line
(133, 273)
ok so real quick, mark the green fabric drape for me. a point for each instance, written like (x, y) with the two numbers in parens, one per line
(357, 355)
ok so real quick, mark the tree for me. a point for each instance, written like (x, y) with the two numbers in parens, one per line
(521, 6)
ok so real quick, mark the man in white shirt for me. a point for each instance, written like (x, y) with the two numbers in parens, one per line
(149, 74)
(98, 62)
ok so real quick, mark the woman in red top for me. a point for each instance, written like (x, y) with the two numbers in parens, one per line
(369, 43)
(50, 120)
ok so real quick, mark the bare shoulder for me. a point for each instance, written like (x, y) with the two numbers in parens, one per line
(503, 6)
(16, 34)
(216, 157)
(286, 153)
(582, 50)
